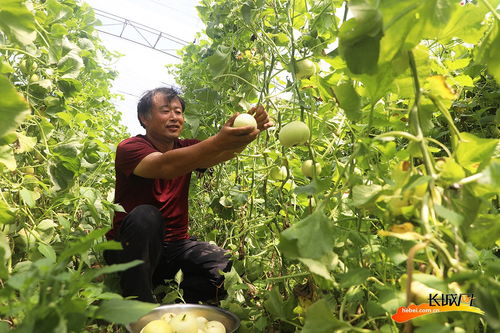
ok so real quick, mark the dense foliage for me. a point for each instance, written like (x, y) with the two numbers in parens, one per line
(403, 112)
(57, 139)
(401, 98)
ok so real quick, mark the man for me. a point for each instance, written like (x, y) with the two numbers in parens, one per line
(152, 182)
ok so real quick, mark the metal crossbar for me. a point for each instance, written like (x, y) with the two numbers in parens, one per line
(138, 33)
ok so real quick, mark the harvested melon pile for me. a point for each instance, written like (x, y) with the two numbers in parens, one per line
(183, 323)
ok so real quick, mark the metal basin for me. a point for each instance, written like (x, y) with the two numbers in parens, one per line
(228, 319)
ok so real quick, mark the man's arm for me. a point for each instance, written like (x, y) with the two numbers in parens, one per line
(222, 157)
(177, 162)
(263, 123)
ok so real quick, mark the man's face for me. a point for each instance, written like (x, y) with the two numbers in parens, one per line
(166, 119)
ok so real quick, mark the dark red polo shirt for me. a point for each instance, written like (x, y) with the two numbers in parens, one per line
(169, 196)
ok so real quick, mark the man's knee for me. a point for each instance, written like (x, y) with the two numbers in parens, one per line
(213, 260)
(142, 221)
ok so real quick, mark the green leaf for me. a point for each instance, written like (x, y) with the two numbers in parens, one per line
(70, 65)
(359, 38)
(488, 301)
(363, 194)
(407, 22)
(4, 327)
(348, 100)
(14, 107)
(491, 177)
(247, 13)
(69, 86)
(353, 277)
(390, 299)
(485, 231)
(6, 214)
(5, 254)
(60, 176)
(47, 251)
(309, 189)
(317, 267)
(373, 309)
(58, 30)
(366, 21)
(108, 245)
(18, 20)
(455, 64)
(219, 62)
(20, 280)
(7, 158)
(28, 197)
(25, 143)
(320, 319)
(362, 56)
(310, 238)
(5, 68)
(378, 84)
(489, 52)
(111, 269)
(452, 217)
(465, 23)
(473, 151)
(463, 80)
(122, 311)
(83, 244)
(57, 11)
(205, 95)
(274, 304)
(449, 170)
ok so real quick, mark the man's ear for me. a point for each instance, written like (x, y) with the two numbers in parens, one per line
(144, 119)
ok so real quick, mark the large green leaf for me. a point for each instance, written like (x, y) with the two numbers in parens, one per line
(112, 269)
(57, 11)
(18, 20)
(13, 107)
(68, 154)
(363, 194)
(219, 62)
(6, 214)
(320, 319)
(274, 304)
(60, 176)
(359, 38)
(317, 267)
(489, 52)
(491, 177)
(348, 100)
(407, 22)
(362, 56)
(5, 253)
(465, 23)
(82, 244)
(311, 237)
(122, 311)
(485, 231)
(353, 277)
(7, 158)
(488, 300)
(70, 65)
(473, 151)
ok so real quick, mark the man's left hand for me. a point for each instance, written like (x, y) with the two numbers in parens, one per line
(261, 117)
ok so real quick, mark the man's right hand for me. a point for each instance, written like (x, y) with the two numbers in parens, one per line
(235, 139)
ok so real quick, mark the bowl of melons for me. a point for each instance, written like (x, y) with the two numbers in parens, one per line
(186, 318)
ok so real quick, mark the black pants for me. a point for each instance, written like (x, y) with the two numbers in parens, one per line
(141, 236)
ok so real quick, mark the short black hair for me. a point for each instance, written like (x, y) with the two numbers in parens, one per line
(146, 102)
